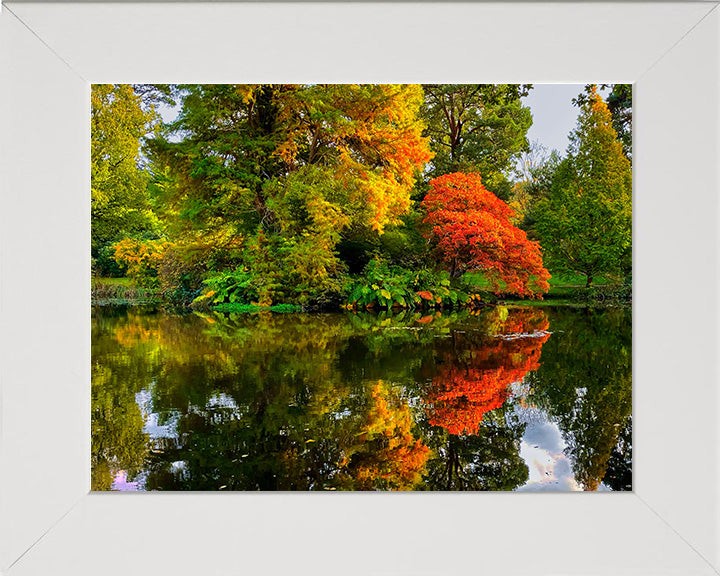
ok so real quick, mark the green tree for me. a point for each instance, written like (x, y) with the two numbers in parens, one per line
(119, 197)
(536, 171)
(274, 175)
(585, 222)
(477, 128)
(620, 105)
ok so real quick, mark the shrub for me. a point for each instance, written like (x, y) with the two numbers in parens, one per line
(105, 265)
(229, 287)
(388, 286)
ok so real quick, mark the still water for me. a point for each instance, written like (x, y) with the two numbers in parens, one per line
(503, 399)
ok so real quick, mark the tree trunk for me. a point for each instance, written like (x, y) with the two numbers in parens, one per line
(589, 281)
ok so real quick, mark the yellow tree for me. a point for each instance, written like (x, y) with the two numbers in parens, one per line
(298, 164)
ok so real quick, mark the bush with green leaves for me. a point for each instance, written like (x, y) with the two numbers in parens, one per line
(385, 286)
(229, 287)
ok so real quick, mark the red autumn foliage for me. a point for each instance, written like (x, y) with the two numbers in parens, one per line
(461, 395)
(472, 230)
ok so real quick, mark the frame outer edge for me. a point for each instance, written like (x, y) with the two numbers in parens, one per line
(677, 339)
(44, 251)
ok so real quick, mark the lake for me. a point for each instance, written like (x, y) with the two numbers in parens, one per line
(504, 398)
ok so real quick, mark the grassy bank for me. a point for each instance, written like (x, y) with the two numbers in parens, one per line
(251, 308)
(565, 290)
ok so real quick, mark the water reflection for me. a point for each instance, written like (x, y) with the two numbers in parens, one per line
(584, 384)
(356, 401)
(477, 368)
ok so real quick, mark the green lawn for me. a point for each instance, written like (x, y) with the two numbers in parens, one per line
(98, 281)
(565, 289)
(252, 308)
(565, 279)
(558, 279)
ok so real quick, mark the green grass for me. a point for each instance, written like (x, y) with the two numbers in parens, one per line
(477, 280)
(566, 279)
(566, 289)
(127, 282)
(546, 302)
(252, 308)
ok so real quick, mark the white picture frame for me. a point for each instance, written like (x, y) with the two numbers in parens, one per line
(50, 524)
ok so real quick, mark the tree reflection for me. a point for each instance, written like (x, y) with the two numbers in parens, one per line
(347, 401)
(364, 441)
(489, 459)
(118, 440)
(584, 383)
(618, 474)
(477, 441)
(259, 402)
(388, 456)
(474, 373)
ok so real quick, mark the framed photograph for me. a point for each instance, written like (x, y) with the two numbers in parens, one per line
(57, 514)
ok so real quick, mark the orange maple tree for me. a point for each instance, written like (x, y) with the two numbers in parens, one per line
(461, 395)
(472, 230)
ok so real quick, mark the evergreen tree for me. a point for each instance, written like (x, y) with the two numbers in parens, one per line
(585, 223)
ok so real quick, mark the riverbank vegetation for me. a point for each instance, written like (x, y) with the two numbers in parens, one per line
(321, 197)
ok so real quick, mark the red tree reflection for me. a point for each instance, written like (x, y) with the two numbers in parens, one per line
(475, 376)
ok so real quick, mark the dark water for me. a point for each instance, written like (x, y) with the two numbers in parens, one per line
(519, 398)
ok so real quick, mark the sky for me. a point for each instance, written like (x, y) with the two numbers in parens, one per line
(554, 115)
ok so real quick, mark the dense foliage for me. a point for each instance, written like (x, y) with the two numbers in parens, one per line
(385, 286)
(477, 128)
(269, 177)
